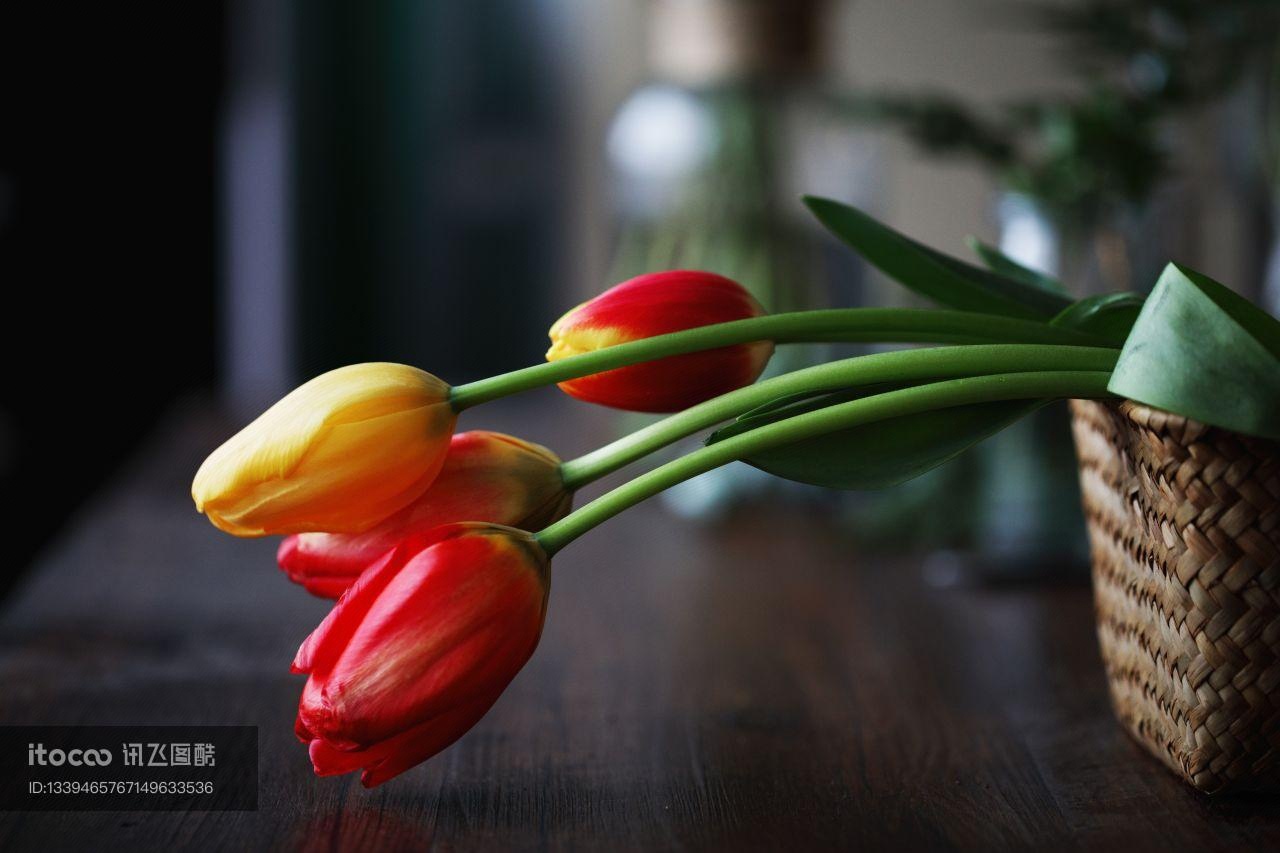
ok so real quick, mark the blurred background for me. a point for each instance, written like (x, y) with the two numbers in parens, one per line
(218, 201)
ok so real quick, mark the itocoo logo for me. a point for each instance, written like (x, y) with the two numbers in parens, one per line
(38, 755)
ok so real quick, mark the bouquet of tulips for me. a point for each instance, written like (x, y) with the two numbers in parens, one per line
(437, 544)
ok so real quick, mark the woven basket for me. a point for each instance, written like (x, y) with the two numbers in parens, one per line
(1184, 528)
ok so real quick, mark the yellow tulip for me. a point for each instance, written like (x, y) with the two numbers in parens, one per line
(338, 454)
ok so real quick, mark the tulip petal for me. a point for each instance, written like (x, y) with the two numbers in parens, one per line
(327, 761)
(656, 304)
(301, 731)
(486, 476)
(331, 588)
(341, 452)
(391, 757)
(323, 563)
(428, 740)
(396, 668)
(327, 640)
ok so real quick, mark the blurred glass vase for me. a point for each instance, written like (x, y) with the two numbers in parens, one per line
(709, 158)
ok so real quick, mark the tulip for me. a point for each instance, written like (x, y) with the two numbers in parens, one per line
(340, 453)
(419, 648)
(487, 476)
(656, 304)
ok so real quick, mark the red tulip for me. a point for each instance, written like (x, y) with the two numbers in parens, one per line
(657, 304)
(419, 648)
(487, 476)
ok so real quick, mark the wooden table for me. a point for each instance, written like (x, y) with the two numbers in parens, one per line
(755, 686)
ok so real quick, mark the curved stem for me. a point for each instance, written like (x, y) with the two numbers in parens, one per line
(891, 404)
(881, 325)
(899, 366)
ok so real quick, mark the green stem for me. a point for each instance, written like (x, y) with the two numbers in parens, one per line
(881, 325)
(911, 365)
(891, 404)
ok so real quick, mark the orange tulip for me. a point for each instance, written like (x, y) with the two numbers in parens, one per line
(339, 453)
(487, 476)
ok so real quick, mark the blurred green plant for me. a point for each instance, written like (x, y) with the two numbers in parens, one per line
(1172, 53)
(1138, 63)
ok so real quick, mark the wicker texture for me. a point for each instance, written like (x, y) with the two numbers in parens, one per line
(1184, 527)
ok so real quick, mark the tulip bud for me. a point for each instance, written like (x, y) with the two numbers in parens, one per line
(419, 648)
(487, 476)
(657, 304)
(339, 453)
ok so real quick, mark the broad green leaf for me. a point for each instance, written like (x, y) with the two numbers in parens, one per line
(875, 455)
(1201, 351)
(1109, 316)
(998, 262)
(939, 277)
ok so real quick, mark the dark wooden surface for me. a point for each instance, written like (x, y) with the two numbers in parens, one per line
(754, 686)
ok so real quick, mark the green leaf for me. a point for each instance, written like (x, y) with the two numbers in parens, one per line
(875, 455)
(939, 277)
(1109, 316)
(998, 262)
(1201, 351)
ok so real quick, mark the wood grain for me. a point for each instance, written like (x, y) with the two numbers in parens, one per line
(753, 686)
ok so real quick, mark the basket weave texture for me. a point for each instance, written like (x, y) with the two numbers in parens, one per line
(1184, 529)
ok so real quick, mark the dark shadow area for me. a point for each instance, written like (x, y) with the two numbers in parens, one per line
(108, 242)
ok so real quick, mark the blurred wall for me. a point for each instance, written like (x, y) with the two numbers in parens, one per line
(955, 45)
